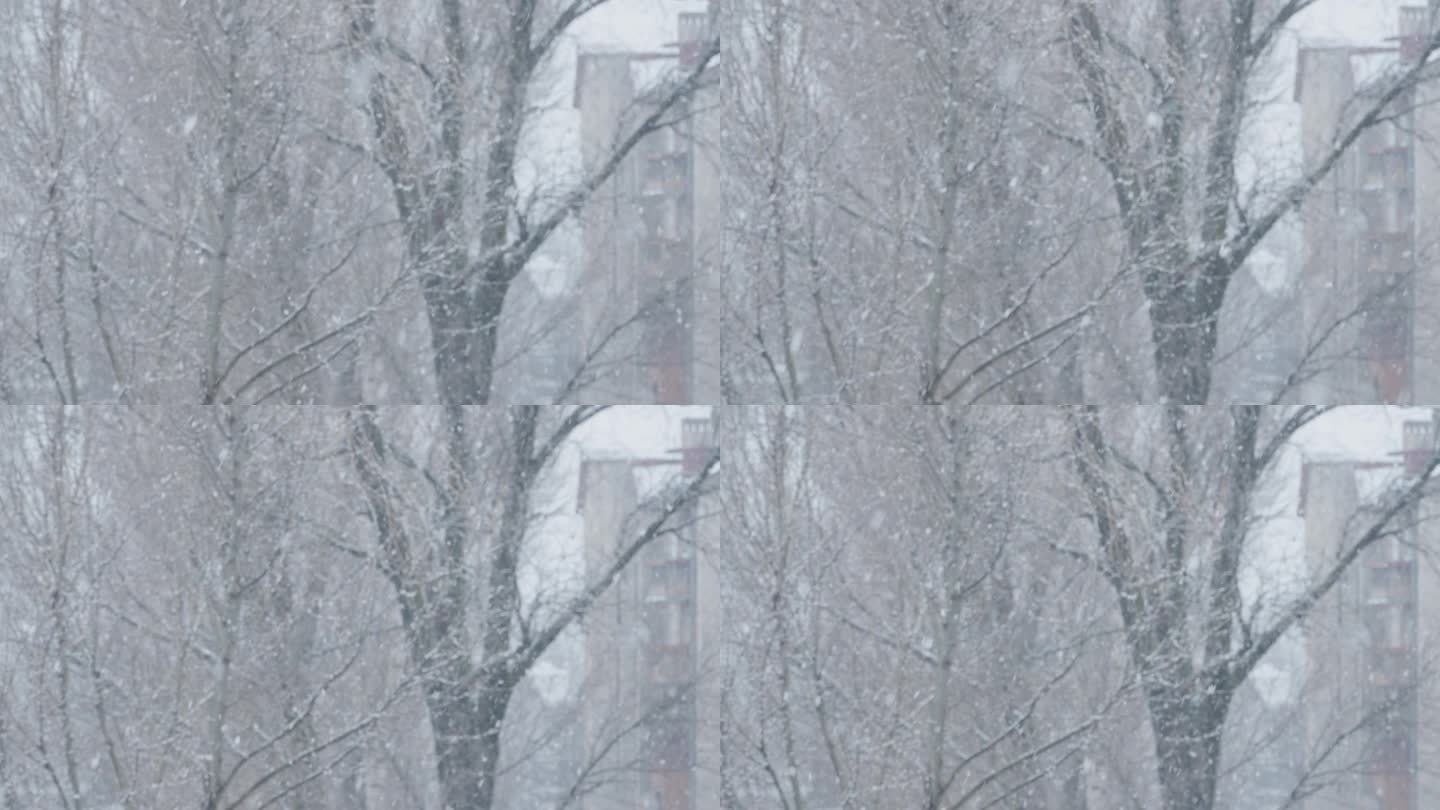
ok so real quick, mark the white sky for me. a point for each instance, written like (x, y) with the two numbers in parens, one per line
(1358, 432)
(634, 24)
(1365, 22)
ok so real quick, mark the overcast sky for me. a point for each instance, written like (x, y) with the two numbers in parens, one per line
(1362, 21)
(635, 24)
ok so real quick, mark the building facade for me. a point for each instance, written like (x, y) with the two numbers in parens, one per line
(1370, 696)
(651, 232)
(1370, 282)
(651, 644)
(650, 236)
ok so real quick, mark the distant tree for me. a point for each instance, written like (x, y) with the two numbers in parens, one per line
(894, 643)
(911, 237)
(175, 631)
(51, 157)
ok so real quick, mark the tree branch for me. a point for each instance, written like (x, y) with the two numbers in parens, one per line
(1086, 44)
(1235, 668)
(1233, 253)
(520, 662)
(500, 265)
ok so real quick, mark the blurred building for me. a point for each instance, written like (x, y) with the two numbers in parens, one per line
(652, 229)
(1370, 286)
(650, 710)
(1370, 708)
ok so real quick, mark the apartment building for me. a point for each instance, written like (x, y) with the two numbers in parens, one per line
(1370, 285)
(1371, 701)
(649, 704)
(652, 231)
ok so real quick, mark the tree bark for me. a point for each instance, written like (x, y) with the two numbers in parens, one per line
(1187, 748)
(467, 746)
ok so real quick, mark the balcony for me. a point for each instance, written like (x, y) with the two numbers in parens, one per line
(669, 581)
(1388, 252)
(694, 30)
(694, 26)
(670, 745)
(1415, 26)
(1386, 561)
(661, 220)
(1387, 211)
(1390, 666)
(1391, 583)
(670, 664)
(665, 174)
(1387, 167)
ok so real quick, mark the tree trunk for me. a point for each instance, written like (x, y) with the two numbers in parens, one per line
(457, 751)
(467, 746)
(1183, 321)
(1183, 356)
(1187, 746)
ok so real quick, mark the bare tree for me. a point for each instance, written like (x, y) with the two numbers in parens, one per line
(468, 239)
(1168, 103)
(432, 176)
(49, 160)
(893, 647)
(190, 646)
(910, 236)
(454, 568)
(1174, 511)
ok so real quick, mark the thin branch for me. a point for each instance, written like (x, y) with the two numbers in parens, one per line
(1235, 668)
(522, 659)
(502, 264)
(1234, 252)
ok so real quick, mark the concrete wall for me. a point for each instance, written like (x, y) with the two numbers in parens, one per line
(710, 645)
(1427, 246)
(1373, 641)
(1332, 230)
(1391, 176)
(612, 655)
(608, 294)
(1334, 637)
(623, 274)
(709, 239)
(1428, 657)
(652, 234)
